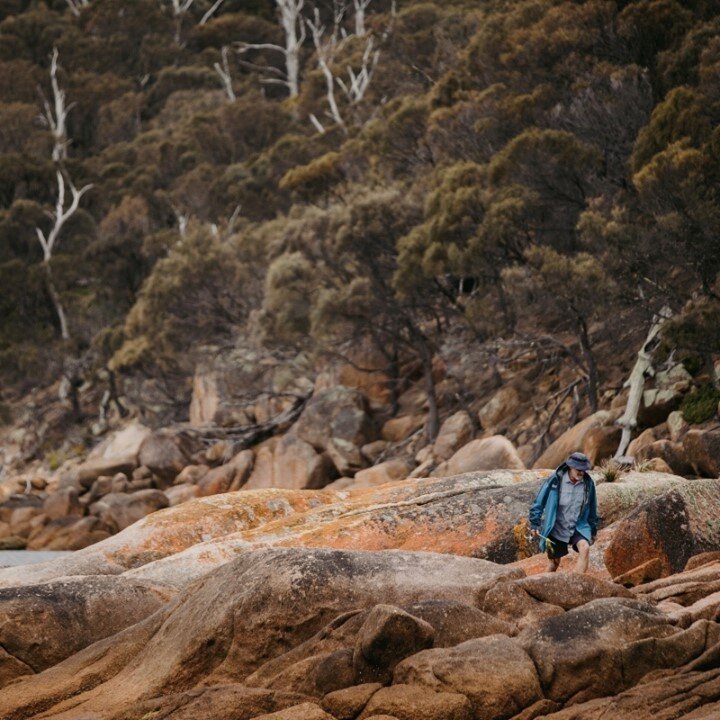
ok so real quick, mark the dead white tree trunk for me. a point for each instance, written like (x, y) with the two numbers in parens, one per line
(55, 115)
(49, 242)
(325, 46)
(636, 382)
(223, 72)
(360, 7)
(291, 20)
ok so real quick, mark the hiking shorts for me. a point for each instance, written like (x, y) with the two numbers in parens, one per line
(559, 548)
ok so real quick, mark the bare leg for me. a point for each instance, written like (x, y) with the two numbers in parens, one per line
(581, 564)
(553, 564)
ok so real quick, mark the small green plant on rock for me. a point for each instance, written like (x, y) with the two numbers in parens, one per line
(700, 405)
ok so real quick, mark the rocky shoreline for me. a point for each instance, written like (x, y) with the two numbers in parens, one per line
(413, 599)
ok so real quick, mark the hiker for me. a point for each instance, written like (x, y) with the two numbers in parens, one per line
(567, 500)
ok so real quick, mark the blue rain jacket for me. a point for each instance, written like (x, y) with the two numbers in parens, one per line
(547, 500)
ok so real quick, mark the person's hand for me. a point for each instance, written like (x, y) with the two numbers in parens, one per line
(534, 532)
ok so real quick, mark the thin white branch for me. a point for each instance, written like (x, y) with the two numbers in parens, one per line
(263, 68)
(274, 81)
(244, 47)
(55, 116)
(211, 11)
(291, 21)
(360, 81)
(325, 46)
(223, 72)
(317, 124)
(180, 7)
(49, 241)
(61, 215)
(230, 229)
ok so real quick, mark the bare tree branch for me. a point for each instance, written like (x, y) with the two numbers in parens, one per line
(211, 11)
(325, 47)
(291, 21)
(55, 116)
(224, 73)
(49, 241)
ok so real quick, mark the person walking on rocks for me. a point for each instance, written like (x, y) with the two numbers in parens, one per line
(568, 502)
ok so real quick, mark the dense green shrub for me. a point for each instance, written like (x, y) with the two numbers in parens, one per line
(701, 404)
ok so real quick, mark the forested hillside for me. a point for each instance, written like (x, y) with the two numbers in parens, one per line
(178, 177)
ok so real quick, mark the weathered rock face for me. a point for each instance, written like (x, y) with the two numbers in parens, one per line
(242, 616)
(83, 476)
(493, 453)
(69, 533)
(645, 438)
(381, 473)
(480, 514)
(178, 494)
(223, 701)
(221, 382)
(399, 428)
(572, 440)
(166, 453)
(688, 596)
(606, 646)
(601, 443)
(568, 591)
(501, 407)
(296, 465)
(338, 412)
(702, 449)
(62, 503)
(671, 453)
(173, 530)
(302, 631)
(365, 371)
(671, 527)
(122, 444)
(387, 636)
(231, 476)
(40, 625)
(666, 396)
(346, 457)
(406, 702)
(205, 399)
(454, 433)
(677, 426)
(262, 473)
(121, 510)
(696, 693)
(494, 673)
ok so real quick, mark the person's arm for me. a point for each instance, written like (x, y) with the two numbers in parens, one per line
(538, 506)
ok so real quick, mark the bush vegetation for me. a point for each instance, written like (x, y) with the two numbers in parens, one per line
(517, 168)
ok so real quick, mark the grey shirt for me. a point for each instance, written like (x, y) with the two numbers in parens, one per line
(571, 501)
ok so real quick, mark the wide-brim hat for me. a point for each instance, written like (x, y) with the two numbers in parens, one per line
(579, 461)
